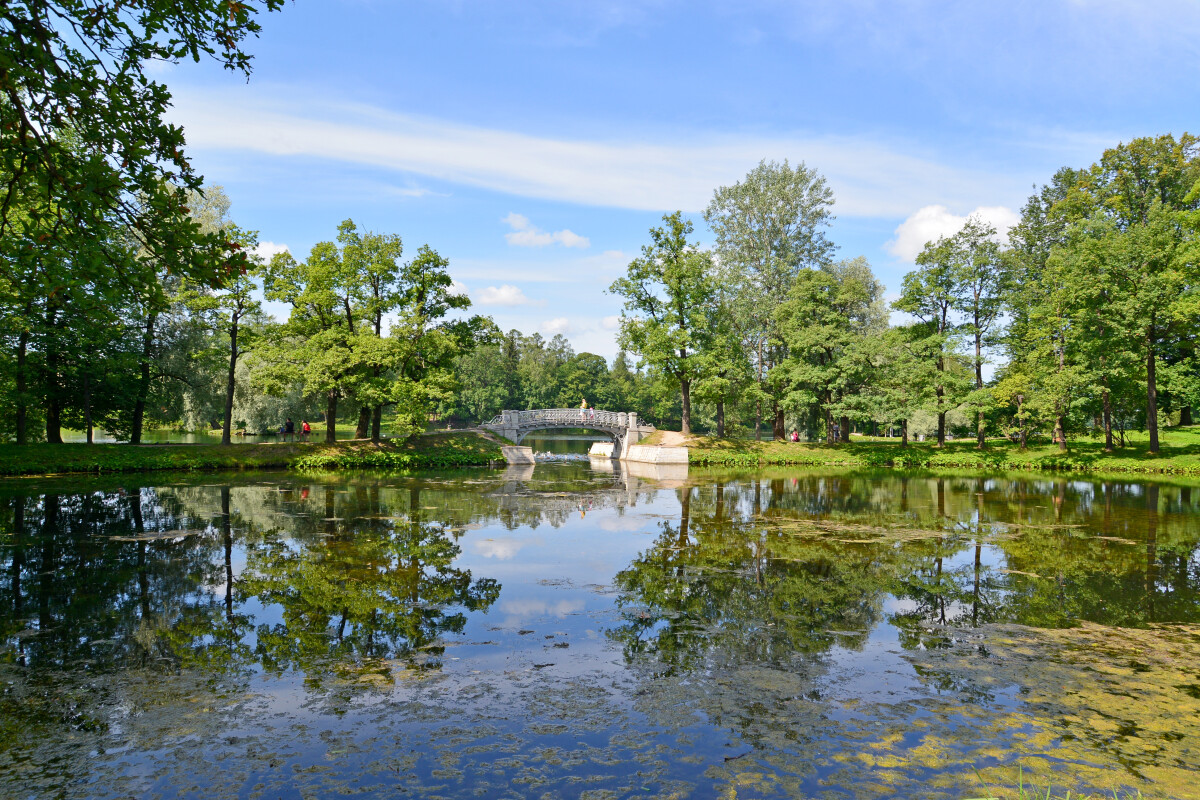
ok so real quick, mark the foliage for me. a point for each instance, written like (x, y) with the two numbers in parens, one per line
(668, 317)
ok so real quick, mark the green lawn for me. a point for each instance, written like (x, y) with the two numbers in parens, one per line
(429, 450)
(1179, 453)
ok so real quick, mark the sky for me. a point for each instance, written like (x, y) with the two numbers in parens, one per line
(535, 143)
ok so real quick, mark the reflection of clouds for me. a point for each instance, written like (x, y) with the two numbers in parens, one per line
(540, 608)
(503, 548)
(618, 524)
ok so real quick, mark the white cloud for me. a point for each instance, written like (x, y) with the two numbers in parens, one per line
(506, 295)
(266, 250)
(458, 288)
(557, 325)
(532, 607)
(525, 234)
(870, 178)
(503, 549)
(611, 323)
(930, 222)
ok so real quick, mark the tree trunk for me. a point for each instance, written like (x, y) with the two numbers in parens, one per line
(778, 427)
(376, 424)
(1106, 400)
(1060, 432)
(1151, 388)
(230, 379)
(685, 396)
(904, 433)
(758, 403)
(1021, 421)
(22, 389)
(1185, 416)
(331, 400)
(980, 442)
(53, 420)
(828, 426)
(941, 435)
(844, 429)
(87, 407)
(139, 406)
(53, 390)
(720, 419)
(363, 429)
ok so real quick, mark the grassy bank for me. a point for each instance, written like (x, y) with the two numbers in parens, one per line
(458, 449)
(1179, 454)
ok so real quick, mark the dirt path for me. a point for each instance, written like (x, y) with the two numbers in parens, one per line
(673, 439)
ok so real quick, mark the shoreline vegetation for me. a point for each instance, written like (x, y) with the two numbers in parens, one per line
(426, 451)
(1179, 454)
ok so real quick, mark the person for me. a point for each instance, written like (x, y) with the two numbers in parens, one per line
(304, 431)
(583, 410)
(289, 429)
(795, 435)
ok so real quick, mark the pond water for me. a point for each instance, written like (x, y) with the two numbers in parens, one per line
(579, 630)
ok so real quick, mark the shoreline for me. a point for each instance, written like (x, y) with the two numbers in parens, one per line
(1082, 457)
(426, 451)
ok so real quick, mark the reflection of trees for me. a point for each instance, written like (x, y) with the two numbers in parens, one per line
(729, 587)
(371, 588)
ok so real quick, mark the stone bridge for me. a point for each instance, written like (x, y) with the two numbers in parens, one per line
(622, 426)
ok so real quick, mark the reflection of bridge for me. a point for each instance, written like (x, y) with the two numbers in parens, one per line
(622, 426)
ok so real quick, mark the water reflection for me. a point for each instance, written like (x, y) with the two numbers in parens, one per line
(792, 632)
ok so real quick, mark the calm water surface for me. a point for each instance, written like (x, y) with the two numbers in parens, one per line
(573, 630)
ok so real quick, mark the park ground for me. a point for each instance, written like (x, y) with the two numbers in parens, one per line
(1179, 453)
(431, 450)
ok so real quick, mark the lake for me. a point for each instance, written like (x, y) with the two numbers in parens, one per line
(580, 630)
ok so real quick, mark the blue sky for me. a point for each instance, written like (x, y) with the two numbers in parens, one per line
(534, 143)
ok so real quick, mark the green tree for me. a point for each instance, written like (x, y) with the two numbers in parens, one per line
(768, 227)
(669, 292)
(1144, 191)
(981, 284)
(929, 294)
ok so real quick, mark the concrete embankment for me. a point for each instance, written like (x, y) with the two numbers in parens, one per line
(643, 454)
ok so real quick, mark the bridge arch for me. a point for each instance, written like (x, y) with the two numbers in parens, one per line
(622, 426)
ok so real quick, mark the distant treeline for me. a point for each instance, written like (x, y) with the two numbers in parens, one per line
(1088, 309)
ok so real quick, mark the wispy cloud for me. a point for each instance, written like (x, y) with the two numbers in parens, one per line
(870, 178)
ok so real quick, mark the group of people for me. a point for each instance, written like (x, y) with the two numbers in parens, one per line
(288, 429)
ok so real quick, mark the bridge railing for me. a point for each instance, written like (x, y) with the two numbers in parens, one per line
(567, 417)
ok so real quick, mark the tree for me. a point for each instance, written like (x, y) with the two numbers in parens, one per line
(981, 283)
(81, 122)
(422, 345)
(315, 346)
(227, 311)
(768, 227)
(375, 259)
(670, 291)
(1145, 190)
(824, 323)
(929, 294)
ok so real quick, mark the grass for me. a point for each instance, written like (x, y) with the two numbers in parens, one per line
(456, 449)
(1179, 454)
